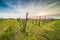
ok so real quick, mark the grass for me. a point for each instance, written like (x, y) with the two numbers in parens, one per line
(12, 30)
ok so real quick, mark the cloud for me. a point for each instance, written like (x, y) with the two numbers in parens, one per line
(18, 8)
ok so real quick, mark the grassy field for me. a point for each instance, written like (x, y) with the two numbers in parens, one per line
(12, 30)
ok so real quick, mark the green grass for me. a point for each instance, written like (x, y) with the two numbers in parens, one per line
(12, 30)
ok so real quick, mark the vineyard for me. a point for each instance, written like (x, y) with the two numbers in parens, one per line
(29, 19)
(31, 29)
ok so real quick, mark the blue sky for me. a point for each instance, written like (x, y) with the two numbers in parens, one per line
(18, 8)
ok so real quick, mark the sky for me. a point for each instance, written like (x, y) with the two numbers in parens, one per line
(19, 8)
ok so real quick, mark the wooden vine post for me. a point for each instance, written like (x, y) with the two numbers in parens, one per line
(39, 20)
(25, 23)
